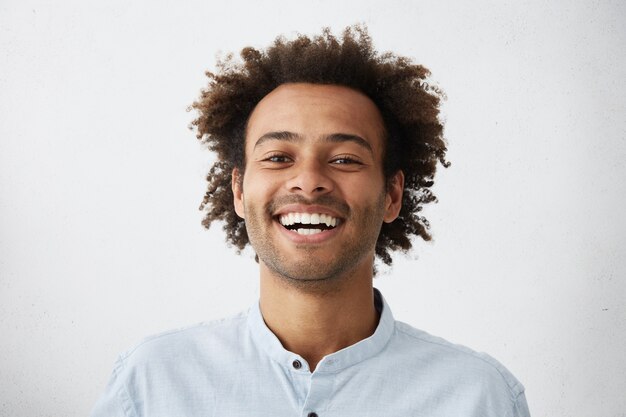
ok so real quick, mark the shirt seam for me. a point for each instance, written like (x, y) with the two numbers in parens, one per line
(127, 402)
(515, 404)
(515, 391)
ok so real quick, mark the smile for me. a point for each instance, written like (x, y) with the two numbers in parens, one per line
(308, 223)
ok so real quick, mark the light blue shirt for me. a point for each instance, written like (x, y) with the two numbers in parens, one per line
(237, 367)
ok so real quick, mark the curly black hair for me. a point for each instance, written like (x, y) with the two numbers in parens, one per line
(409, 106)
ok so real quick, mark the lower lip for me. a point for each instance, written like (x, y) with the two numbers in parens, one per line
(310, 239)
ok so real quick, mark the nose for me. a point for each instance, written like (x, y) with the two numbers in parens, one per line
(310, 178)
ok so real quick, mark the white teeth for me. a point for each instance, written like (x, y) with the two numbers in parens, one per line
(308, 231)
(290, 219)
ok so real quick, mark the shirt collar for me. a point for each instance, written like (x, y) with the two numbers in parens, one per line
(351, 355)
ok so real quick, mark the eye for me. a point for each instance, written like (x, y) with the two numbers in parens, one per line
(277, 158)
(345, 160)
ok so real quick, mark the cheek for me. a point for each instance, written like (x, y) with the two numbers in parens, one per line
(362, 187)
(262, 183)
(258, 190)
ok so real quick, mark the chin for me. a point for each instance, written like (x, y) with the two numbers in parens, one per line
(313, 274)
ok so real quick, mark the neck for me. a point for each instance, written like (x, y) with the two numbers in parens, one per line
(319, 322)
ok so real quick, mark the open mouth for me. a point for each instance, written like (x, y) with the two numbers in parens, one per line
(308, 223)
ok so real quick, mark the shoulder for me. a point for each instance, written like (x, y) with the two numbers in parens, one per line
(170, 369)
(191, 343)
(445, 360)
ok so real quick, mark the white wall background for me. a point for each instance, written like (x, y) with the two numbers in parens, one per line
(100, 179)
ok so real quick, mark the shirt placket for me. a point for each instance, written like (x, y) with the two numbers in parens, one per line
(319, 394)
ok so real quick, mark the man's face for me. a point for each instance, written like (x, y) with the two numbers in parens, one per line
(313, 194)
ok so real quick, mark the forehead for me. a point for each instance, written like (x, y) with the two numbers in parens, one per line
(314, 110)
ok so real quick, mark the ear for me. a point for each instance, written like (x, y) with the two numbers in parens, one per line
(393, 199)
(237, 187)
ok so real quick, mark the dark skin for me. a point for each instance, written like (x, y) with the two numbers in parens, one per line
(408, 105)
(316, 289)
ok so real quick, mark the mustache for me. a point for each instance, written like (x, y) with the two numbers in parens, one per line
(325, 200)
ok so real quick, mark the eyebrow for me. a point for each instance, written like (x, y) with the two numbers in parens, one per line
(332, 137)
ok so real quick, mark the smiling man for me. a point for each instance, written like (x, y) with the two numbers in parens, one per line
(326, 152)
